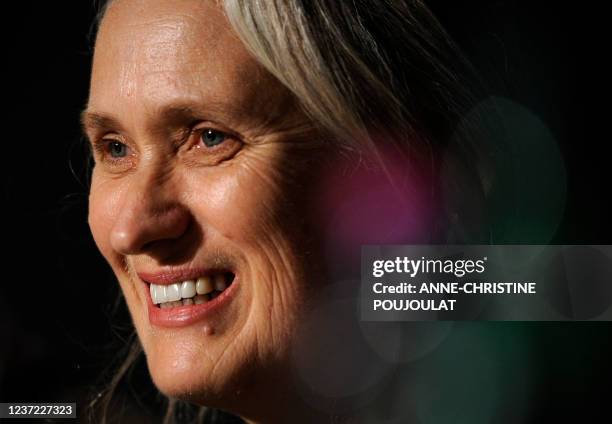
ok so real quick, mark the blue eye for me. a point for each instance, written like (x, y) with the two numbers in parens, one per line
(212, 137)
(117, 149)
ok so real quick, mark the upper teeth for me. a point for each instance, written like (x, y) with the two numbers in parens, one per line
(187, 289)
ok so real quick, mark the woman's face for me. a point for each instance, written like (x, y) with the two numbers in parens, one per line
(203, 168)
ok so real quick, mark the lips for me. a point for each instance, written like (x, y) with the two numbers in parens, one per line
(184, 297)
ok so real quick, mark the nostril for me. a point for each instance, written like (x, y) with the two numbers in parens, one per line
(148, 246)
(142, 228)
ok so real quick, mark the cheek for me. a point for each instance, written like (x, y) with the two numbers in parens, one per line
(239, 202)
(251, 204)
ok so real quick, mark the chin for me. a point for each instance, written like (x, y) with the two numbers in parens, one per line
(186, 382)
(192, 372)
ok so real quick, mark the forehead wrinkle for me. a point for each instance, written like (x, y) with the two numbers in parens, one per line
(170, 28)
(170, 39)
(155, 41)
(170, 68)
(183, 44)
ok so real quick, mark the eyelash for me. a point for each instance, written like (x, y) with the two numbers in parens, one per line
(199, 132)
(103, 145)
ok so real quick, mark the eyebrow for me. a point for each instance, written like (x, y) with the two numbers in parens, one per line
(97, 121)
(173, 114)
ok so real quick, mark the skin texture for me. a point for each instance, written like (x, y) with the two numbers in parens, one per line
(164, 71)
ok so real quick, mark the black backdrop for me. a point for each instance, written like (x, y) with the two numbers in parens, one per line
(57, 295)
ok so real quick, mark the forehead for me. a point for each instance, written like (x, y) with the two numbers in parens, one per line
(152, 51)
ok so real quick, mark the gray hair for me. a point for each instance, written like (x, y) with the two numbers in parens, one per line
(383, 70)
(355, 66)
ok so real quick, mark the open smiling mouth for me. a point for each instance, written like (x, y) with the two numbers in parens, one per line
(191, 292)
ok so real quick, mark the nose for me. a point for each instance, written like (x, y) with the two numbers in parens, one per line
(150, 214)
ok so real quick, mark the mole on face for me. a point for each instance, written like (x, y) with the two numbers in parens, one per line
(208, 330)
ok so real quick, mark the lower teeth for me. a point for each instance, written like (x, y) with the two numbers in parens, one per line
(196, 300)
(201, 298)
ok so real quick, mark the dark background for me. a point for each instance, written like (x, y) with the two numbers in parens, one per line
(59, 328)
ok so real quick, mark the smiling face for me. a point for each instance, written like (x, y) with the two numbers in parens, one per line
(203, 169)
